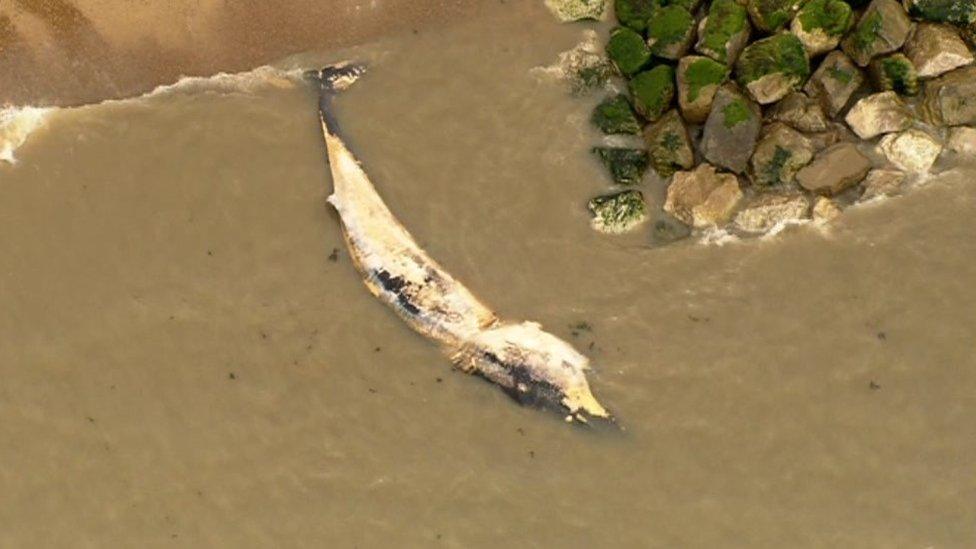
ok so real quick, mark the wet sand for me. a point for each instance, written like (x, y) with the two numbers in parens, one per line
(181, 363)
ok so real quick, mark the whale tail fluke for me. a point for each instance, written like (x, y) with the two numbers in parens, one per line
(336, 78)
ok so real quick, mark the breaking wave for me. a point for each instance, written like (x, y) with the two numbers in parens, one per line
(17, 123)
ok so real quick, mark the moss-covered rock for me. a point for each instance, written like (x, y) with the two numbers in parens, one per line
(652, 91)
(960, 12)
(724, 32)
(882, 28)
(773, 67)
(699, 78)
(619, 212)
(894, 72)
(615, 115)
(626, 166)
(730, 133)
(670, 31)
(780, 153)
(668, 144)
(635, 13)
(834, 82)
(628, 51)
(585, 67)
(576, 10)
(772, 15)
(820, 24)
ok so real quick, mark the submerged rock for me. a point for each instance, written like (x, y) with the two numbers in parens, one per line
(584, 66)
(882, 183)
(882, 28)
(801, 112)
(615, 115)
(936, 49)
(834, 82)
(618, 213)
(698, 79)
(670, 32)
(781, 152)
(962, 140)
(896, 73)
(913, 150)
(626, 166)
(635, 13)
(669, 230)
(879, 113)
(960, 12)
(628, 51)
(834, 170)
(825, 209)
(950, 100)
(772, 15)
(768, 210)
(703, 197)
(724, 32)
(653, 91)
(575, 10)
(820, 24)
(731, 130)
(772, 67)
(668, 144)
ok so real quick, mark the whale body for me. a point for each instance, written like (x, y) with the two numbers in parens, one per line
(534, 367)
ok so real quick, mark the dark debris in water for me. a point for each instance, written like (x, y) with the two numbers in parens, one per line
(874, 386)
(334, 256)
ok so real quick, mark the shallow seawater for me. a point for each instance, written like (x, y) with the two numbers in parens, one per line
(182, 364)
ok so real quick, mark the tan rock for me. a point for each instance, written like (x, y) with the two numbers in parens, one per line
(950, 100)
(801, 112)
(835, 133)
(703, 197)
(882, 183)
(882, 28)
(696, 101)
(834, 170)
(936, 49)
(962, 141)
(834, 82)
(780, 153)
(825, 210)
(877, 114)
(913, 150)
(771, 209)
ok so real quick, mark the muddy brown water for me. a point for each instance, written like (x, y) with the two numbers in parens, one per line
(181, 364)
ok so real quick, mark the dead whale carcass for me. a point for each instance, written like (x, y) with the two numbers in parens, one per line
(533, 366)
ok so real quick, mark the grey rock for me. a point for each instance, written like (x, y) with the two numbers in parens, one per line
(575, 10)
(882, 28)
(618, 213)
(879, 113)
(950, 100)
(834, 82)
(731, 130)
(834, 170)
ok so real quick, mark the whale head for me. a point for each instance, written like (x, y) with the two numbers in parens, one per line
(534, 367)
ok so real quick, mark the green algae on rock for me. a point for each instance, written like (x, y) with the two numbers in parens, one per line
(626, 166)
(780, 153)
(820, 24)
(960, 12)
(668, 144)
(652, 91)
(584, 67)
(575, 10)
(771, 68)
(670, 31)
(615, 115)
(895, 72)
(834, 82)
(628, 51)
(724, 32)
(635, 13)
(882, 28)
(618, 213)
(699, 78)
(772, 15)
(730, 132)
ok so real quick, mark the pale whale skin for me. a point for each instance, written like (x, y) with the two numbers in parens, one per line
(531, 365)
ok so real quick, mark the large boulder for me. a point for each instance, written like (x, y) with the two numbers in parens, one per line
(781, 152)
(879, 113)
(801, 112)
(628, 51)
(731, 130)
(894, 72)
(769, 210)
(698, 79)
(913, 151)
(703, 197)
(834, 170)
(626, 166)
(882, 182)
(834, 82)
(670, 32)
(950, 100)
(772, 15)
(668, 144)
(615, 115)
(653, 91)
(960, 12)
(724, 31)
(882, 28)
(576, 10)
(772, 67)
(820, 24)
(937, 49)
(619, 212)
